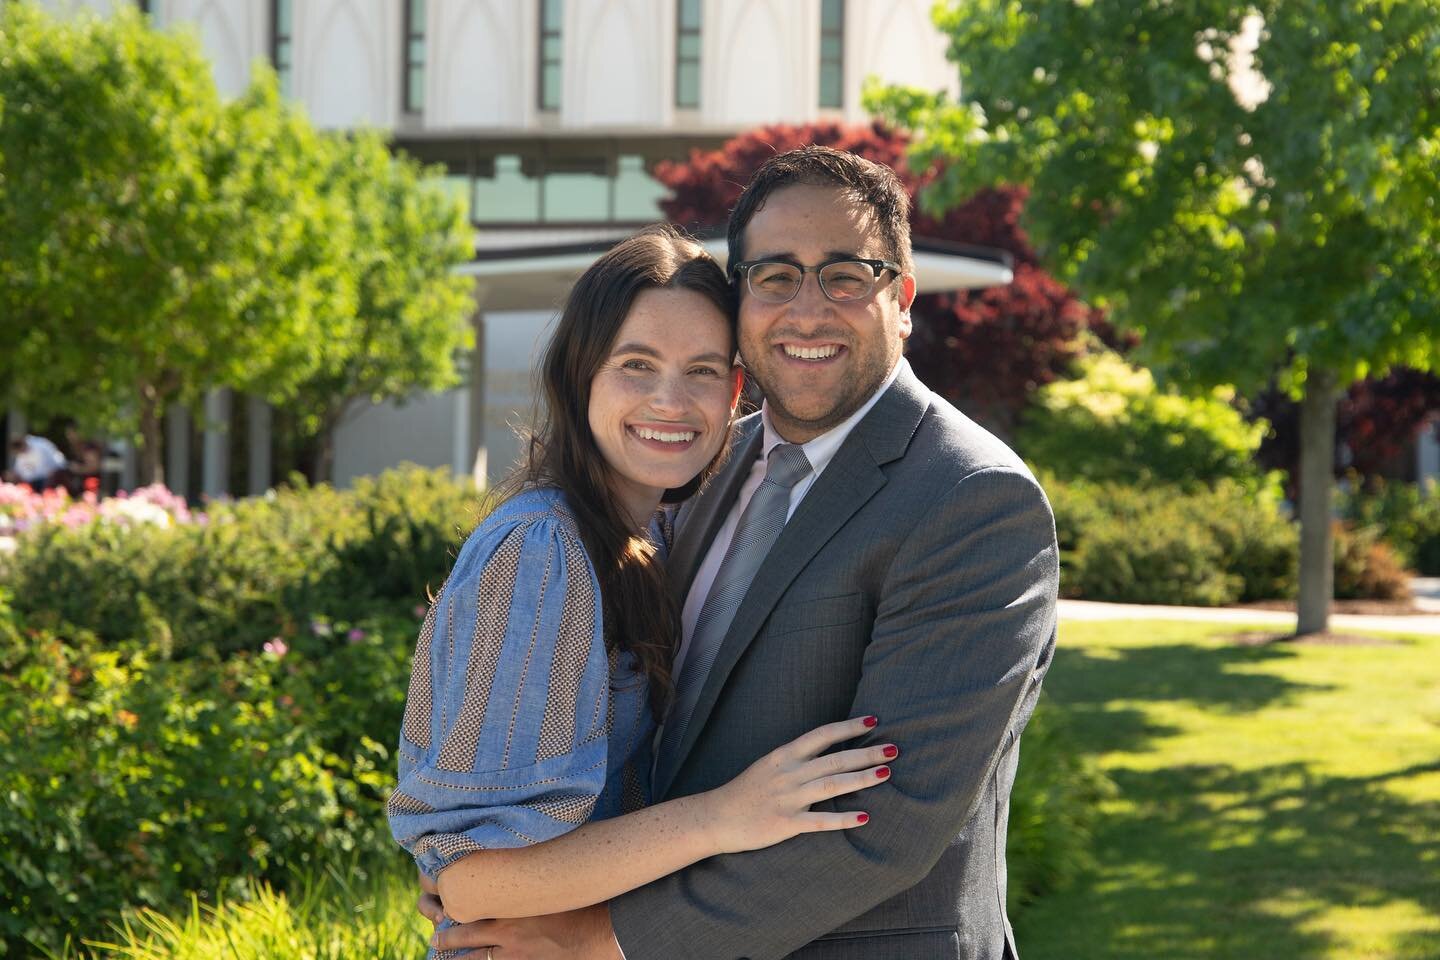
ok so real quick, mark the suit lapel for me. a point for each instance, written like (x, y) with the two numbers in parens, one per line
(848, 483)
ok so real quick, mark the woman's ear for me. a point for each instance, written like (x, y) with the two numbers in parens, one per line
(739, 372)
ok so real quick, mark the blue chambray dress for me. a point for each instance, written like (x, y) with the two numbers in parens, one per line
(518, 725)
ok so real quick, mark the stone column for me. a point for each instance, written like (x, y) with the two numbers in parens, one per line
(177, 450)
(215, 468)
(258, 418)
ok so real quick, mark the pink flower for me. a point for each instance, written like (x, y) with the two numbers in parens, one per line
(277, 646)
(355, 635)
(419, 611)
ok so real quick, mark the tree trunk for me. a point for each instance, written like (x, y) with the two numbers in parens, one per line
(151, 465)
(1317, 466)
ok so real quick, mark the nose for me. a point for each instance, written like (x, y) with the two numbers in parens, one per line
(671, 395)
(810, 300)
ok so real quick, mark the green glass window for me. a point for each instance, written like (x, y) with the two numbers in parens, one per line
(413, 94)
(281, 19)
(832, 53)
(687, 54)
(505, 193)
(551, 16)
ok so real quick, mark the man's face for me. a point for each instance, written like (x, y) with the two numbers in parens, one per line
(819, 361)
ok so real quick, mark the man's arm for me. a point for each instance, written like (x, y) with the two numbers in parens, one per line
(965, 618)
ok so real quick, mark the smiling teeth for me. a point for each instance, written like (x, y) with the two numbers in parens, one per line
(811, 353)
(683, 436)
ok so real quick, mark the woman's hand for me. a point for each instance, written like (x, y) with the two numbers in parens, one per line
(771, 800)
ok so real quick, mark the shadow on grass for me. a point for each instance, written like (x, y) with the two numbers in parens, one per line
(1086, 686)
(1213, 862)
(1212, 677)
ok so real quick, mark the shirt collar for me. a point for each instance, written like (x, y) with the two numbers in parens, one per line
(821, 450)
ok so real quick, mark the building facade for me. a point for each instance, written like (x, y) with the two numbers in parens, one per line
(548, 116)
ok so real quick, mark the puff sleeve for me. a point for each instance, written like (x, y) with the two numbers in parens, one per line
(504, 741)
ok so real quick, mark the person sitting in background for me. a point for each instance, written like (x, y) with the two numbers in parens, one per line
(37, 461)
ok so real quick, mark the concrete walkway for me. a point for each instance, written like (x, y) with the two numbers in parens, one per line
(1427, 598)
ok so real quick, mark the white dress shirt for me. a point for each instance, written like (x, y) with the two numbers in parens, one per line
(819, 451)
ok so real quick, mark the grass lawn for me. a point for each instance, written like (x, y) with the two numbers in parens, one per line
(1274, 801)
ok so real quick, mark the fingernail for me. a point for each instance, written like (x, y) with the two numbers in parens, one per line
(862, 818)
(435, 940)
(871, 721)
(882, 772)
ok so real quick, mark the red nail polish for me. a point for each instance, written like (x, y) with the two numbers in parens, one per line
(882, 772)
(862, 818)
(891, 752)
(871, 721)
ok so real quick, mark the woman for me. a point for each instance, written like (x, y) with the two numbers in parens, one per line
(525, 751)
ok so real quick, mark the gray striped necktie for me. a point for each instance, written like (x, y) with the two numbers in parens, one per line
(755, 534)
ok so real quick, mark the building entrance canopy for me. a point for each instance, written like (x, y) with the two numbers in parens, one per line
(535, 270)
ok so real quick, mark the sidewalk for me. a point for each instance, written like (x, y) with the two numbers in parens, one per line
(1427, 598)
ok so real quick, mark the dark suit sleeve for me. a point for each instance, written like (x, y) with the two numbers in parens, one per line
(964, 626)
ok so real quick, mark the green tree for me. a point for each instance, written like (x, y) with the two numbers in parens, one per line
(410, 320)
(1253, 186)
(156, 242)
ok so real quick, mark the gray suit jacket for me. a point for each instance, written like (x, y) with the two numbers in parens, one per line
(916, 581)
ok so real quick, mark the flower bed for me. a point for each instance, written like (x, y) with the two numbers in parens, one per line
(22, 508)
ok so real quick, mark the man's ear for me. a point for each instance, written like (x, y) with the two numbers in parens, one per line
(907, 290)
(907, 297)
(739, 385)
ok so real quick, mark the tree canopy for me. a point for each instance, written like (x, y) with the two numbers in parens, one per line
(159, 243)
(1254, 187)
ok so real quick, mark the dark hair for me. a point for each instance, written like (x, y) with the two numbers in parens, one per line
(872, 184)
(638, 606)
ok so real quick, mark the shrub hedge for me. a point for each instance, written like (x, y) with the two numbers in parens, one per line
(1229, 543)
(189, 709)
(255, 569)
(1405, 516)
(1114, 424)
(133, 780)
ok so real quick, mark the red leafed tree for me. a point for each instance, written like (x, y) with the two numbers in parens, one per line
(1375, 422)
(984, 350)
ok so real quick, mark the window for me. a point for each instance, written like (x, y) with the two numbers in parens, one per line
(687, 54)
(510, 190)
(413, 95)
(832, 53)
(550, 17)
(280, 21)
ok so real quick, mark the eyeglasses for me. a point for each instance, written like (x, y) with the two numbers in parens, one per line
(842, 281)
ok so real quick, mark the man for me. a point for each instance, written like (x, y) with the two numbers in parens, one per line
(914, 578)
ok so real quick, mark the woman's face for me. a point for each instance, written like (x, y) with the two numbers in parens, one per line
(661, 400)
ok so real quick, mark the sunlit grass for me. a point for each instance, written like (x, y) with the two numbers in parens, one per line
(1275, 800)
(358, 912)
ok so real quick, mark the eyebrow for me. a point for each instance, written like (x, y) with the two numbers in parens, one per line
(652, 352)
(829, 255)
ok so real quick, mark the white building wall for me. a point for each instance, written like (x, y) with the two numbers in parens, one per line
(234, 33)
(481, 58)
(759, 59)
(612, 69)
(896, 41)
(347, 61)
(380, 436)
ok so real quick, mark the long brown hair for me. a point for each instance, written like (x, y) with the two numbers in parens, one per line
(639, 610)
